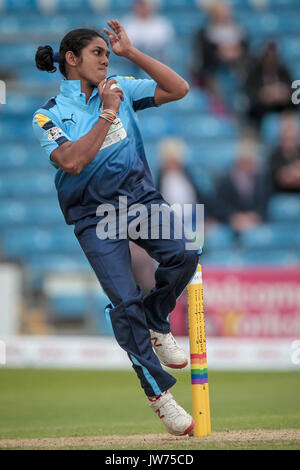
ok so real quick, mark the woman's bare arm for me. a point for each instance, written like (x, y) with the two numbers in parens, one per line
(170, 86)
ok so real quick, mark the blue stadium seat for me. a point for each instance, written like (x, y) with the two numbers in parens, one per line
(251, 257)
(17, 131)
(270, 129)
(216, 157)
(220, 237)
(68, 306)
(283, 4)
(10, 25)
(187, 21)
(289, 23)
(195, 102)
(19, 213)
(32, 76)
(284, 208)
(195, 128)
(268, 24)
(16, 5)
(80, 306)
(40, 265)
(82, 6)
(43, 264)
(16, 157)
(207, 127)
(203, 179)
(222, 258)
(271, 236)
(27, 184)
(154, 129)
(122, 5)
(295, 70)
(24, 243)
(13, 213)
(178, 4)
(264, 24)
(290, 48)
(20, 105)
(17, 55)
(284, 258)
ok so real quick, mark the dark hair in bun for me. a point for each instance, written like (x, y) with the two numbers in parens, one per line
(44, 59)
(73, 41)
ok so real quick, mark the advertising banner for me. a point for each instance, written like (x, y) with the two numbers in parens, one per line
(253, 303)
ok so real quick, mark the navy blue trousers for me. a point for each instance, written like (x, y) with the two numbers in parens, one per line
(131, 313)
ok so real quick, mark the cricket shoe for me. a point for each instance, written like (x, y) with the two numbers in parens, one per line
(176, 420)
(168, 350)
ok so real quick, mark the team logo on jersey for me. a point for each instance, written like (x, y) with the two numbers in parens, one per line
(54, 133)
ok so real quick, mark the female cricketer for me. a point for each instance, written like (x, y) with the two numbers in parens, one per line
(90, 134)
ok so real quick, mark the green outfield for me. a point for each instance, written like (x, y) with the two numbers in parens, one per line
(107, 410)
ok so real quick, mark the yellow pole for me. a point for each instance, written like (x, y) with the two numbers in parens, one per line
(199, 376)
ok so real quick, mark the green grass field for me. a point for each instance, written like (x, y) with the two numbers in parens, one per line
(80, 404)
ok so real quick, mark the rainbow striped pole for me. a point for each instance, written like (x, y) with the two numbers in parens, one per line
(200, 391)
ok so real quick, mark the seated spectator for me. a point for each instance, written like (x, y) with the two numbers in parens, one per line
(174, 184)
(174, 181)
(268, 84)
(242, 194)
(285, 159)
(149, 32)
(220, 46)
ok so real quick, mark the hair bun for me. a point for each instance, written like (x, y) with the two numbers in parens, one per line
(44, 59)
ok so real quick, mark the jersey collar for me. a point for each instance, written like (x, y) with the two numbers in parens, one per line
(72, 89)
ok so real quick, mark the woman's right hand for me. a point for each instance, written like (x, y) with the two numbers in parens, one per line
(110, 98)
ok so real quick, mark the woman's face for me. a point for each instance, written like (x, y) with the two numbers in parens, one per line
(93, 63)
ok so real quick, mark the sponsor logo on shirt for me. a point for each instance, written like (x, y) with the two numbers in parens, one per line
(54, 133)
(115, 134)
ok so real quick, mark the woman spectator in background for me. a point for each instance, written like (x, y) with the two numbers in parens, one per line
(149, 32)
(268, 85)
(285, 159)
(243, 193)
(220, 53)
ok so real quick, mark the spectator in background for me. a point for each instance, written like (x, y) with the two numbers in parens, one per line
(149, 32)
(174, 183)
(268, 84)
(243, 193)
(285, 159)
(220, 52)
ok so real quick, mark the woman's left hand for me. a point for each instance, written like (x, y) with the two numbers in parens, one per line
(119, 40)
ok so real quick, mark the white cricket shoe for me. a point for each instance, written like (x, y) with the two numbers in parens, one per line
(168, 351)
(176, 420)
